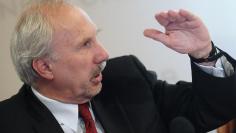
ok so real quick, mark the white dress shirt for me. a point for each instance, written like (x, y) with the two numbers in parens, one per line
(67, 114)
(221, 69)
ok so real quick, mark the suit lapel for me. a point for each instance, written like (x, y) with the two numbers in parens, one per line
(43, 120)
(111, 116)
(46, 127)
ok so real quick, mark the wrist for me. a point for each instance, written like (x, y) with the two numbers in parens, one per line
(211, 57)
(203, 52)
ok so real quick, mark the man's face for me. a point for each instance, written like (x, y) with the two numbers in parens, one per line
(76, 71)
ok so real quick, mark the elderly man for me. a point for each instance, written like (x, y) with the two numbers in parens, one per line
(58, 57)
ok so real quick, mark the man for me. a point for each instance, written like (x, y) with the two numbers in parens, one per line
(57, 56)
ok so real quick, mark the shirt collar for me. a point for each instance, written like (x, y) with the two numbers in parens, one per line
(64, 113)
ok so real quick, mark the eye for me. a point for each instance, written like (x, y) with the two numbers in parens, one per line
(87, 44)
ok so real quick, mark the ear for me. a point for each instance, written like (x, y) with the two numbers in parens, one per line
(43, 68)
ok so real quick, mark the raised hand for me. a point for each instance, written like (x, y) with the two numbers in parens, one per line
(184, 33)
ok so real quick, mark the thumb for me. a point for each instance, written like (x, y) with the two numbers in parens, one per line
(156, 35)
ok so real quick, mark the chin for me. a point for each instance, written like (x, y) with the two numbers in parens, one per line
(96, 90)
(87, 96)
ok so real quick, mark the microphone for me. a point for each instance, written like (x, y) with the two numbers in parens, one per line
(181, 125)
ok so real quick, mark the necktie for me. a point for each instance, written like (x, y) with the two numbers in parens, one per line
(87, 118)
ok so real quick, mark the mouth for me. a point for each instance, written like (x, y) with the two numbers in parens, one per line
(97, 78)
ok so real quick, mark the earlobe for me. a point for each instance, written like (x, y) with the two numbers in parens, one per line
(43, 68)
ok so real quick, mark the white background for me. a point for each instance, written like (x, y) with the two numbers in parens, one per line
(122, 23)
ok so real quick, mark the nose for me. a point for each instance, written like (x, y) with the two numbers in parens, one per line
(101, 54)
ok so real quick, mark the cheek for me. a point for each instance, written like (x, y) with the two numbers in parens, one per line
(81, 69)
(76, 65)
(76, 75)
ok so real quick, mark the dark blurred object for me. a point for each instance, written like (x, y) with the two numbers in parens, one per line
(181, 125)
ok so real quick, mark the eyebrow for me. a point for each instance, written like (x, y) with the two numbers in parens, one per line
(98, 30)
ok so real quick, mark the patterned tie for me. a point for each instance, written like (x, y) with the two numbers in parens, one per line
(87, 118)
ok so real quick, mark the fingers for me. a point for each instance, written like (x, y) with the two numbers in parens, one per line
(175, 16)
(165, 18)
(192, 21)
(162, 18)
(156, 35)
(186, 14)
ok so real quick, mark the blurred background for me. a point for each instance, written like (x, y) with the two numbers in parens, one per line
(122, 23)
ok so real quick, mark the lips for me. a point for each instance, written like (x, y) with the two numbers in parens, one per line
(97, 79)
(97, 75)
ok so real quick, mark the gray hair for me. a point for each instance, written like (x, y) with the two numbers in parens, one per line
(33, 36)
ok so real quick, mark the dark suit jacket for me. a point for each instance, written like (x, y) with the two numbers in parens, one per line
(133, 101)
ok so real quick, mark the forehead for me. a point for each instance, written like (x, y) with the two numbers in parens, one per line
(73, 25)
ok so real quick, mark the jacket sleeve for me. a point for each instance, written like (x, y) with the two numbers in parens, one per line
(207, 102)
